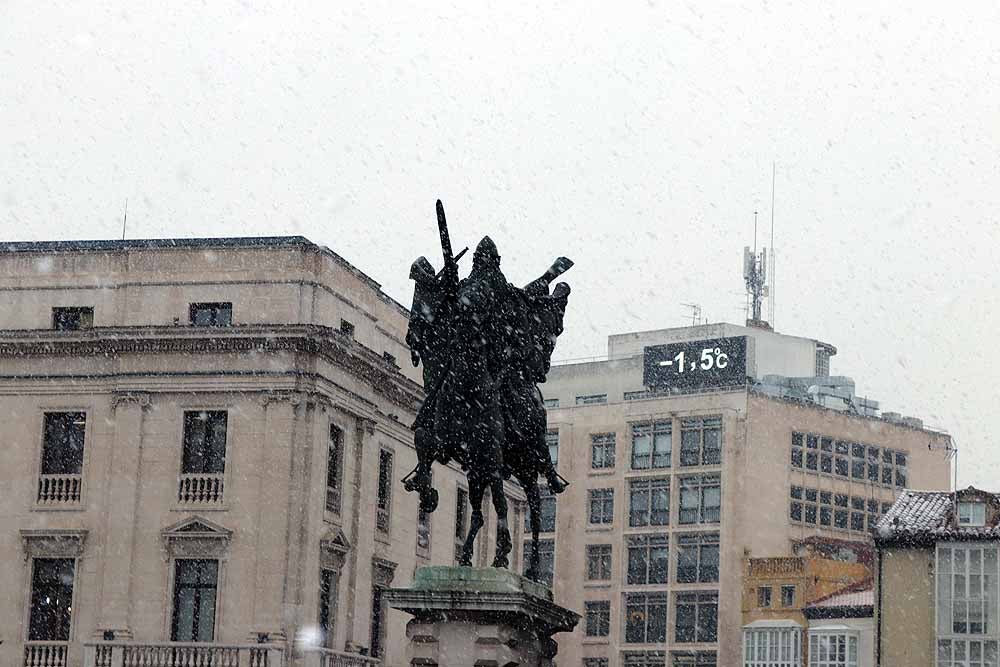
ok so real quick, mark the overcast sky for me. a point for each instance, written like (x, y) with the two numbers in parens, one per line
(636, 138)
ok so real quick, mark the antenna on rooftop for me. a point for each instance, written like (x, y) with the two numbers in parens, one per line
(755, 277)
(695, 312)
(770, 308)
(124, 218)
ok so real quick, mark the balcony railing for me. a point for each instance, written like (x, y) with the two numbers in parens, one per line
(45, 654)
(201, 488)
(324, 657)
(181, 654)
(59, 489)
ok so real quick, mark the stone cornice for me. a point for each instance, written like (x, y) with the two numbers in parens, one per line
(323, 342)
(53, 543)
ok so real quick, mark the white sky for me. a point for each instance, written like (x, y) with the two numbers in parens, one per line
(634, 137)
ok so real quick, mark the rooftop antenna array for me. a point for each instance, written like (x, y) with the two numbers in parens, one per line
(755, 277)
(770, 305)
(695, 313)
(124, 218)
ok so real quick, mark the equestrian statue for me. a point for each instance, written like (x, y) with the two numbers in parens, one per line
(485, 345)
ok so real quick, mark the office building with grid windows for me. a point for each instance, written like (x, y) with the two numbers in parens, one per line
(676, 484)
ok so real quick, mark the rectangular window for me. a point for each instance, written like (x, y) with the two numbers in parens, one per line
(327, 607)
(972, 514)
(195, 589)
(772, 647)
(602, 506)
(967, 653)
(788, 596)
(602, 451)
(592, 399)
(833, 649)
(697, 617)
(552, 442)
(546, 513)
(646, 618)
(51, 599)
(551, 402)
(649, 502)
(383, 504)
(205, 442)
(62, 444)
(701, 498)
(378, 622)
(966, 581)
(598, 562)
(461, 518)
(701, 441)
(652, 445)
(72, 318)
(595, 662)
(764, 596)
(648, 556)
(346, 328)
(334, 472)
(598, 618)
(218, 314)
(796, 458)
(697, 558)
(546, 559)
(643, 658)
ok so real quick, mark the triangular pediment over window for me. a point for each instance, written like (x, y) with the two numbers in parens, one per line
(333, 547)
(196, 536)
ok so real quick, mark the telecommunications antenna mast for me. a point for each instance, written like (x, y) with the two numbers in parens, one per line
(755, 277)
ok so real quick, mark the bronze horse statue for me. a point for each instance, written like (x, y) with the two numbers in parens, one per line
(484, 345)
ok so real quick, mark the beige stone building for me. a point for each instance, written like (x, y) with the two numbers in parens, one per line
(677, 481)
(203, 446)
(937, 589)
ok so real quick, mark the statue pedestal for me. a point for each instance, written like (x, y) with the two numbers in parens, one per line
(479, 617)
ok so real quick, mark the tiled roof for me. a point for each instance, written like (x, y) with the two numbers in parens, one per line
(859, 594)
(923, 517)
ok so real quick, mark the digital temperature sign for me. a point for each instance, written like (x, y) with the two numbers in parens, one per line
(721, 362)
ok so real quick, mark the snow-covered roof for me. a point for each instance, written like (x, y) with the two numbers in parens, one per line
(856, 600)
(922, 518)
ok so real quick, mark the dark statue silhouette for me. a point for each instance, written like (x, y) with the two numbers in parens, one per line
(485, 345)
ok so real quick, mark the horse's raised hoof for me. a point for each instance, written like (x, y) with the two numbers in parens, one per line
(428, 500)
(501, 561)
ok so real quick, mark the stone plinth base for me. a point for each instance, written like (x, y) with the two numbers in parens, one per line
(480, 617)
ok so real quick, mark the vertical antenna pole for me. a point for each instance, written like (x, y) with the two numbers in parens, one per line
(124, 218)
(772, 242)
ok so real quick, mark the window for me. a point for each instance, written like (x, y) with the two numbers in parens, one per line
(205, 442)
(788, 596)
(334, 469)
(552, 442)
(195, 583)
(598, 562)
(648, 556)
(546, 559)
(972, 514)
(646, 618)
(697, 558)
(551, 402)
(697, 617)
(546, 513)
(378, 622)
(966, 589)
(694, 659)
(701, 497)
(602, 451)
(62, 444)
(833, 649)
(592, 399)
(795, 508)
(598, 618)
(461, 517)
(966, 652)
(51, 599)
(346, 328)
(389, 358)
(602, 506)
(595, 662)
(72, 318)
(772, 647)
(211, 314)
(764, 596)
(649, 502)
(701, 441)
(643, 659)
(651, 445)
(383, 504)
(327, 607)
